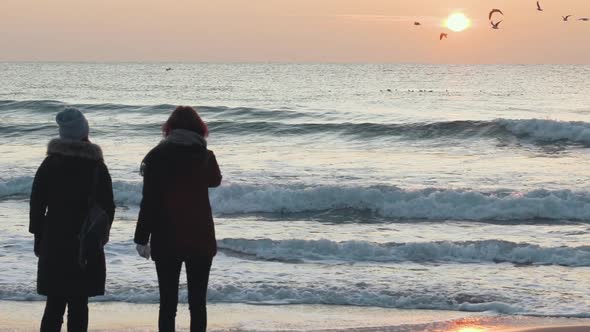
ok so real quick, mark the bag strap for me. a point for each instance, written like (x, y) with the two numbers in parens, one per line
(94, 185)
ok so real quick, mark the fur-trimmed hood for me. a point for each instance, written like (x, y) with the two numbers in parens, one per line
(74, 148)
(185, 137)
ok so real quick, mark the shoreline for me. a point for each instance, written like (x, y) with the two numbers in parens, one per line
(117, 316)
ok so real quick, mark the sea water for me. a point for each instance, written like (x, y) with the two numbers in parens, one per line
(447, 187)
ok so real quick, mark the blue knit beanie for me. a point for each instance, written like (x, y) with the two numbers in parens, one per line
(72, 124)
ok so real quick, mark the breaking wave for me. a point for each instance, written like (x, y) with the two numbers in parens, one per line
(488, 251)
(382, 201)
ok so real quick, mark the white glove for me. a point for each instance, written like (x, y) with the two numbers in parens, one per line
(144, 251)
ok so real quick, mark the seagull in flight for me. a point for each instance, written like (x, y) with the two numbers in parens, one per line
(443, 35)
(495, 25)
(495, 11)
(565, 18)
(539, 7)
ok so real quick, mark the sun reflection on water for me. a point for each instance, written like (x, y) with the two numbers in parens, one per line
(469, 325)
(472, 329)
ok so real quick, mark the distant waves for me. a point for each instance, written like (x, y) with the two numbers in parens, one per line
(115, 119)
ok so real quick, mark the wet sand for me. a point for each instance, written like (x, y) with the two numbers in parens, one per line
(108, 316)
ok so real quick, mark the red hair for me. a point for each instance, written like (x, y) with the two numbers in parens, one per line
(185, 117)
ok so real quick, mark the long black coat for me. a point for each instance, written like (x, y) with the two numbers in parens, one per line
(59, 204)
(175, 210)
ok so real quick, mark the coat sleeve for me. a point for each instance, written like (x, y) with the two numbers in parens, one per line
(38, 204)
(39, 200)
(214, 173)
(148, 208)
(105, 193)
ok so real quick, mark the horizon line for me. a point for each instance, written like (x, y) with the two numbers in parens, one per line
(291, 62)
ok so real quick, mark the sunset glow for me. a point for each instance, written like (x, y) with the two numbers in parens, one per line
(457, 22)
(308, 31)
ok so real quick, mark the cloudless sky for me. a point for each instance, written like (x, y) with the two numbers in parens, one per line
(291, 31)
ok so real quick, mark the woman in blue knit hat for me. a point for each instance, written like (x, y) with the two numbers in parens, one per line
(72, 171)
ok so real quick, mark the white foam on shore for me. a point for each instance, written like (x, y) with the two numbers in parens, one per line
(277, 294)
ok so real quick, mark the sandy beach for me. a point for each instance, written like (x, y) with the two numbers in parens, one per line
(108, 316)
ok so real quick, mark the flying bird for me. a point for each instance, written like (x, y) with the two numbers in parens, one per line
(417, 23)
(539, 7)
(565, 18)
(584, 19)
(494, 11)
(443, 35)
(495, 25)
(168, 69)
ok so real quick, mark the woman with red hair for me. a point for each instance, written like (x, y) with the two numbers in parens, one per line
(175, 223)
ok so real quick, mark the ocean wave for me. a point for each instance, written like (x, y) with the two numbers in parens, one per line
(384, 298)
(40, 106)
(15, 187)
(494, 251)
(396, 203)
(382, 201)
(52, 106)
(535, 131)
(247, 120)
(548, 131)
(262, 293)
(17, 130)
(277, 294)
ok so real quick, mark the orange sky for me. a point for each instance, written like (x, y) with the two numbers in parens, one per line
(290, 31)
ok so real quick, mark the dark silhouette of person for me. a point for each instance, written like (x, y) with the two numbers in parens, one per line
(175, 214)
(58, 207)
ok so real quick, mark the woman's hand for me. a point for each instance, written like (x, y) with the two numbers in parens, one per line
(144, 251)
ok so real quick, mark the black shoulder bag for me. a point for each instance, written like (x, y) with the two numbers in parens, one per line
(94, 233)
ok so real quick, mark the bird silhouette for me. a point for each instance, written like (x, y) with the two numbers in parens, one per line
(417, 23)
(443, 35)
(495, 25)
(584, 19)
(539, 7)
(566, 18)
(494, 11)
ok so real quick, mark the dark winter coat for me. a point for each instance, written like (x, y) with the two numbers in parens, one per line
(59, 204)
(175, 210)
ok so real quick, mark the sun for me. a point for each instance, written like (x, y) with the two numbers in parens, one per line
(457, 22)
